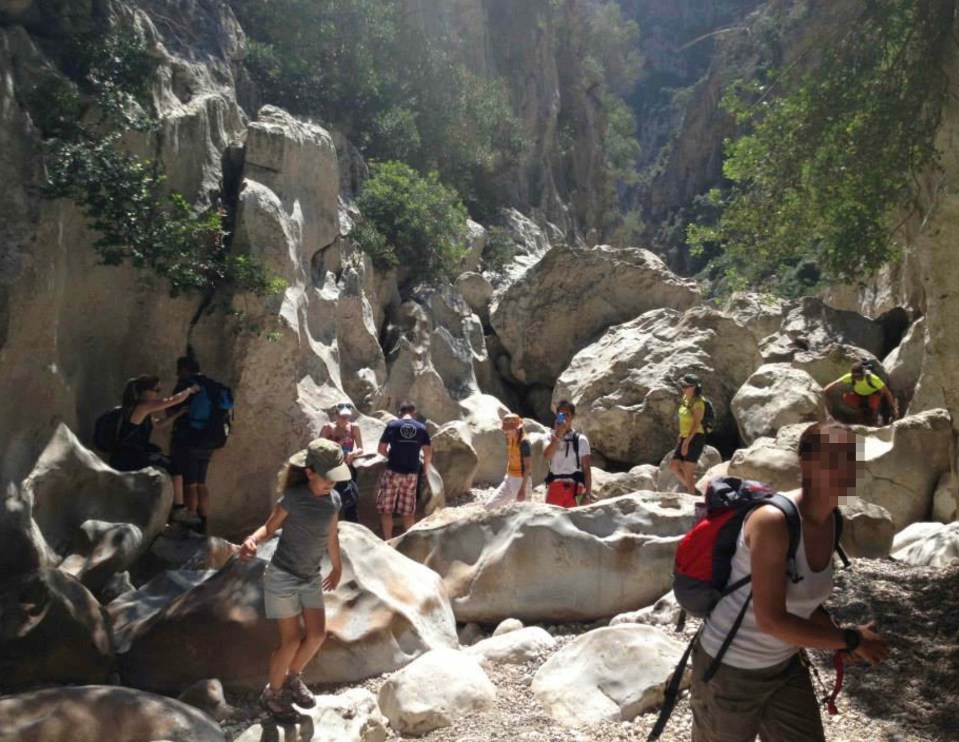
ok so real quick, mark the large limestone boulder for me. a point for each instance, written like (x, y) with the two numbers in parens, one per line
(455, 458)
(22, 546)
(543, 563)
(476, 239)
(609, 674)
(350, 716)
(945, 500)
(97, 520)
(773, 396)
(608, 484)
(937, 548)
(624, 384)
(812, 324)
(572, 295)
(761, 314)
(53, 631)
(828, 364)
(435, 690)
(868, 530)
(889, 475)
(477, 291)
(386, 611)
(101, 712)
(514, 647)
(774, 461)
(904, 364)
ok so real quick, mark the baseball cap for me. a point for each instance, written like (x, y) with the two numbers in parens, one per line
(689, 380)
(343, 409)
(325, 458)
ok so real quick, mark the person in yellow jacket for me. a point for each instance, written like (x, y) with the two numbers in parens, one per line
(692, 434)
(863, 393)
(516, 485)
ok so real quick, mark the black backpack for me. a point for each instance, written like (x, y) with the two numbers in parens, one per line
(709, 416)
(106, 430)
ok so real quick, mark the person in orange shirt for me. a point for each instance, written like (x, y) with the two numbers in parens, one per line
(516, 485)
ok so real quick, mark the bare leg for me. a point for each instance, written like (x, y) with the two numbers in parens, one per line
(386, 523)
(689, 476)
(203, 500)
(283, 654)
(314, 619)
(408, 521)
(192, 497)
(177, 489)
(676, 469)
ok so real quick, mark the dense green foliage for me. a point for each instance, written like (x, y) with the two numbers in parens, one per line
(357, 65)
(411, 220)
(83, 118)
(828, 168)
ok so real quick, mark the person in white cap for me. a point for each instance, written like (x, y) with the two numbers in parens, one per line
(292, 583)
(343, 431)
(516, 485)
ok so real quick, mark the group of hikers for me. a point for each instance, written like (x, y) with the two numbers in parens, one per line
(760, 683)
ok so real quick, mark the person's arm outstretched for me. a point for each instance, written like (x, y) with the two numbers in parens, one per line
(272, 525)
(156, 405)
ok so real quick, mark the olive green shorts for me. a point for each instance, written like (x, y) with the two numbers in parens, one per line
(777, 702)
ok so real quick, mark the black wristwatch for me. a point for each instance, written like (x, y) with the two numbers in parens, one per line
(852, 637)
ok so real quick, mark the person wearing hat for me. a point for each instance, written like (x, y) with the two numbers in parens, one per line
(292, 583)
(516, 484)
(344, 432)
(692, 434)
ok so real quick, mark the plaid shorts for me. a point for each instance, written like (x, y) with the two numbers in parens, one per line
(397, 493)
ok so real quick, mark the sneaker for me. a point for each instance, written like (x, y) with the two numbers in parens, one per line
(279, 706)
(301, 695)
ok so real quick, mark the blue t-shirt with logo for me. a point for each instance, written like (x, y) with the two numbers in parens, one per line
(405, 438)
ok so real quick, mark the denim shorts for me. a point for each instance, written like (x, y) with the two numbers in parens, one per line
(286, 595)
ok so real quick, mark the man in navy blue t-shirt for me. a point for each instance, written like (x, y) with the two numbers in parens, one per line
(401, 444)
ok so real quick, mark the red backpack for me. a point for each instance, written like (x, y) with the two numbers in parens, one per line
(703, 564)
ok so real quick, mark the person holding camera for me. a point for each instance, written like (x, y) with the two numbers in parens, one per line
(569, 482)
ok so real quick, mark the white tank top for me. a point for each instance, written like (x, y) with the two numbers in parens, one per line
(751, 649)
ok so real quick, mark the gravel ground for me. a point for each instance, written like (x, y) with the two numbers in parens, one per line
(910, 699)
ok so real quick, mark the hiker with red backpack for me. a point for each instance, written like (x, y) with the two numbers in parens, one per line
(569, 482)
(864, 393)
(760, 567)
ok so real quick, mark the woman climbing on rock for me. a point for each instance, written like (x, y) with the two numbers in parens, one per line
(292, 583)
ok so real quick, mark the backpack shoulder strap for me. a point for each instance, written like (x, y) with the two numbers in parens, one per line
(576, 449)
(793, 523)
(837, 519)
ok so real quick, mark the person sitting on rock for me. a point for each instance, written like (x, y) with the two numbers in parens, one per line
(516, 485)
(692, 434)
(569, 481)
(292, 582)
(864, 394)
(762, 685)
(400, 444)
(348, 436)
(134, 451)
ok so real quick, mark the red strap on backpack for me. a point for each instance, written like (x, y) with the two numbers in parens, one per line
(837, 686)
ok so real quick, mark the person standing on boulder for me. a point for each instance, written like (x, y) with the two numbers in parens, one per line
(761, 685)
(692, 434)
(292, 582)
(348, 436)
(864, 394)
(400, 444)
(516, 485)
(569, 482)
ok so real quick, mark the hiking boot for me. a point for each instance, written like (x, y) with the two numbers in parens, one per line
(296, 688)
(279, 705)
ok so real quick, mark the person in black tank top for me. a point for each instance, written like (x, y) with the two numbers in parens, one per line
(134, 451)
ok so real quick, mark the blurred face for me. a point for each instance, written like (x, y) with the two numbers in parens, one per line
(834, 469)
(148, 395)
(688, 389)
(342, 419)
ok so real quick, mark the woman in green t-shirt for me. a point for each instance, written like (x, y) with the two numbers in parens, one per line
(692, 435)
